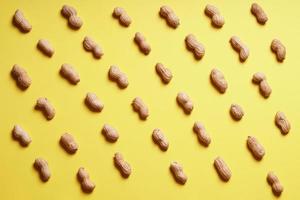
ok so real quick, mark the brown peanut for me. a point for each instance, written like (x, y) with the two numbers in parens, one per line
(42, 167)
(44, 105)
(21, 136)
(240, 47)
(178, 173)
(160, 139)
(70, 14)
(68, 143)
(274, 182)
(122, 165)
(194, 46)
(110, 133)
(90, 45)
(260, 79)
(259, 13)
(217, 19)
(140, 40)
(93, 102)
(218, 80)
(185, 102)
(236, 112)
(21, 77)
(140, 107)
(222, 169)
(255, 148)
(170, 16)
(282, 123)
(116, 75)
(279, 49)
(202, 134)
(68, 72)
(21, 22)
(83, 177)
(122, 15)
(164, 73)
(45, 47)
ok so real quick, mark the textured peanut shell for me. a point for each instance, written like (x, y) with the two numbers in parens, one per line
(170, 16)
(258, 12)
(236, 112)
(239, 47)
(202, 134)
(90, 45)
(282, 123)
(68, 72)
(21, 22)
(110, 133)
(258, 77)
(83, 177)
(164, 73)
(160, 139)
(217, 19)
(70, 13)
(222, 169)
(93, 102)
(279, 49)
(265, 89)
(67, 11)
(178, 173)
(185, 102)
(140, 107)
(140, 40)
(122, 165)
(194, 46)
(255, 148)
(274, 182)
(44, 105)
(121, 14)
(116, 75)
(45, 47)
(21, 136)
(42, 167)
(218, 80)
(21, 77)
(68, 143)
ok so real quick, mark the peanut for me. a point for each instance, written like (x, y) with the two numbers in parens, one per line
(42, 167)
(93, 102)
(160, 139)
(282, 123)
(217, 19)
(140, 40)
(140, 107)
(68, 143)
(236, 112)
(255, 148)
(21, 136)
(68, 72)
(185, 102)
(21, 77)
(70, 14)
(260, 79)
(239, 47)
(44, 105)
(194, 46)
(123, 17)
(164, 73)
(222, 169)
(45, 47)
(279, 49)
(116, 75)
(202, 134)
(258, 12)
(110, 133)
(218, 80)
(274, 182)
(90, 45)
(170, 16)
(83, 177)
(122, 165)
(21, 22)
(178, 173)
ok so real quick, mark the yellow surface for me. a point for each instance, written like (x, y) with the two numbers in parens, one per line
(150, 178)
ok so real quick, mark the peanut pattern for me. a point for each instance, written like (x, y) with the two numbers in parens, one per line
(123, 17)
(21, 22)
(274, 182)
(122, 165)
(282, 123)
(70, 14)
(279, 49)
(194, 46)
(21, 77)
(236, 112)
(222, 169)
(68, 72)
(260, 79)
(21, 136)
(185, 102)
(91, 46)
(160, 139)
(110, 133)
(68, 143)
(83, 177)
(178, 173)
(202, 134)
(93, 102)
(42, 167)
(140, 107)
(116, 75)
(140, 40)
(218, 80)
(44, 105)
(240, 47)
(170, 16)
(45, 47)
(164, 73)
(212, 12)
(259, 13)
(255, 148)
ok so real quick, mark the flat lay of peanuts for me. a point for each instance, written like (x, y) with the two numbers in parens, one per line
(149, 100)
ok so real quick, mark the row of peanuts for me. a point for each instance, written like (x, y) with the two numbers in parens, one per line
(115, 74)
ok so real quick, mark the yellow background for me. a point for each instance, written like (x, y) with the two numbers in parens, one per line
(150, 178)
